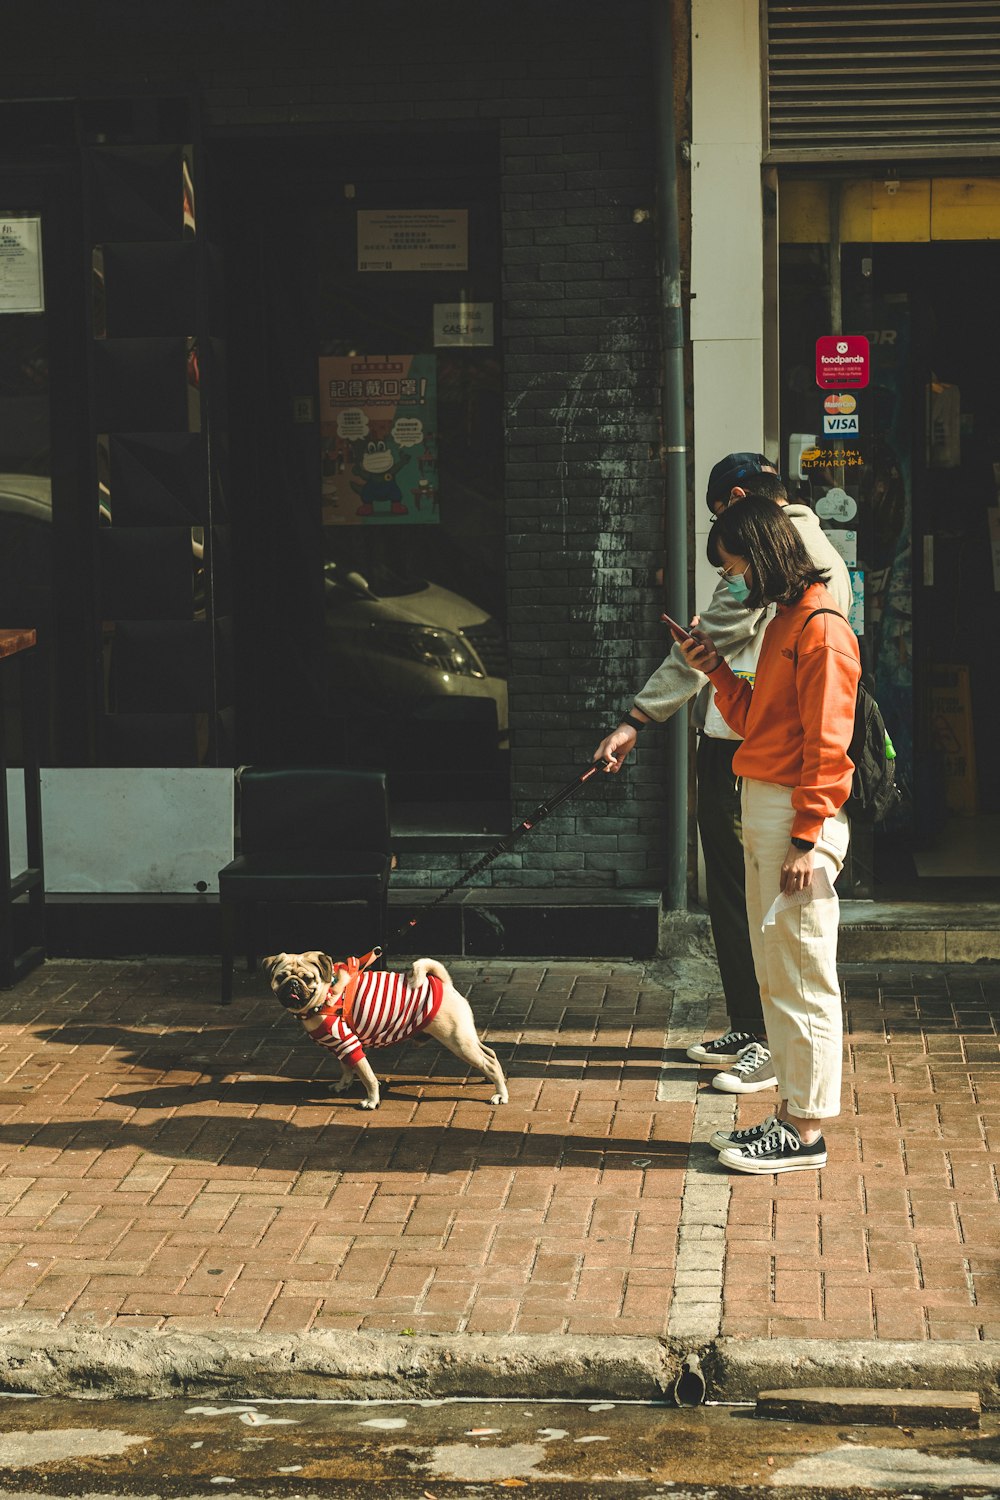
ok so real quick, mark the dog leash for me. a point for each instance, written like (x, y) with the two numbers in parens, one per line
(504, 845)
(355, 968)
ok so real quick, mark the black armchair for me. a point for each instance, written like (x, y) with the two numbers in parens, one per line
(316, 835)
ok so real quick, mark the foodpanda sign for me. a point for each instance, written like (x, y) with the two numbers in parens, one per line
(842, 361)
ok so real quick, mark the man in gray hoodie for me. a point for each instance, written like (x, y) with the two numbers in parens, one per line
(738, 635)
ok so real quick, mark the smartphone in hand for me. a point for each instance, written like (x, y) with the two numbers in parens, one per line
(680, 629)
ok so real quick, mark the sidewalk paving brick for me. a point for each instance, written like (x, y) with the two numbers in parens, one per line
(897, 1238)
(167, 1164)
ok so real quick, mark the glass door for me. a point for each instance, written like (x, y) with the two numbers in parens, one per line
(26, 545)
(366, 409)
(904, 473)
(46, 539)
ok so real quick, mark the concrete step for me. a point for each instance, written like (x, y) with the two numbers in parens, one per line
(928, 932)
(553, 922)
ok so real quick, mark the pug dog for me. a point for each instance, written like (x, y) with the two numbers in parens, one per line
(345, 1009)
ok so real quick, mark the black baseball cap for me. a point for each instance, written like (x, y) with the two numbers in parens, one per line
(733, 470)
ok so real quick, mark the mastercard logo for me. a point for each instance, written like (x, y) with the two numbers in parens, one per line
(840, 405)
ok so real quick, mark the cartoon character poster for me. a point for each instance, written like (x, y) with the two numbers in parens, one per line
(378, 423)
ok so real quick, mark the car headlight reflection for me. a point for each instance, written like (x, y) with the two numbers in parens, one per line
(440, 649)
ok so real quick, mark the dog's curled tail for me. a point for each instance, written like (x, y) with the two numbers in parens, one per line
(425, 966)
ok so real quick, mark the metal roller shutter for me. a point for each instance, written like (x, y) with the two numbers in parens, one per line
(878, 78)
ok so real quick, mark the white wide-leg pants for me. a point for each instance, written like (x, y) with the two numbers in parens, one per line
(796, 958)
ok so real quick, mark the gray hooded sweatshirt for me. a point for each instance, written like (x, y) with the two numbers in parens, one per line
(732, 626)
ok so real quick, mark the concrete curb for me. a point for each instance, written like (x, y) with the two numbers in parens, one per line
(39, 1359)
(736, 1369)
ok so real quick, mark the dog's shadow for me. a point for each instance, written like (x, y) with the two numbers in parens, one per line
(294, 1093)
(186, 1075)
(284, 1067)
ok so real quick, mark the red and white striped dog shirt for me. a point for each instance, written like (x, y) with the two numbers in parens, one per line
(385, 1010)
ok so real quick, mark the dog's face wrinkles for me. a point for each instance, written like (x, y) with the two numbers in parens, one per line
(299, 979)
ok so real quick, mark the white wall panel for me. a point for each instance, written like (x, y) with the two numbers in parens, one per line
(727, 255)
(726, 101)
(729, 420)
(136, 830)
(727, 251)
(727, 273)
(15, 816)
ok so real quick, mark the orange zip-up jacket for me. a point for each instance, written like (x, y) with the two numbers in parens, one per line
(797, 720)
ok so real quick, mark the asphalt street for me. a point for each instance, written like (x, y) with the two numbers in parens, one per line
(429, 1450)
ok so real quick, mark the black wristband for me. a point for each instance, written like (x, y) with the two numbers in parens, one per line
(631, 719)
(806, 845)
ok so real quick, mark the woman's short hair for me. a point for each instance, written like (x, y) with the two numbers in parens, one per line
(758, 530)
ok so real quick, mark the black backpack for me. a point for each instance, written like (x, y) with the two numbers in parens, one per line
(874, 792)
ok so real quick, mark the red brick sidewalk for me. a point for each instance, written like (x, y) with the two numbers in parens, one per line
(167, 1164)
(899, 1236)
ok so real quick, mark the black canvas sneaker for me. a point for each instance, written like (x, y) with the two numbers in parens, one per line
(724, 1138)
(725, 1049)
(751, 1071)
(779, 1150)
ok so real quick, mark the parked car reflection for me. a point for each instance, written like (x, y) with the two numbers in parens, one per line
(25, 548)
(412, 643)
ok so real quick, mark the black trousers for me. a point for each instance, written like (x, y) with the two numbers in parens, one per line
(721, 829)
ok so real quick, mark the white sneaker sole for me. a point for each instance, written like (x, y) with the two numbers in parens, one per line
(734, 1161)
(727, 1085)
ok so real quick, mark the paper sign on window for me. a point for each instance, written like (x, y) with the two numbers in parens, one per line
(463, 325)
(413, 239)
(378, 418)
(21, 265)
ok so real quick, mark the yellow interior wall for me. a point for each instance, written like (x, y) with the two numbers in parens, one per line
(870, 212)
(910, 211)
(965, 208)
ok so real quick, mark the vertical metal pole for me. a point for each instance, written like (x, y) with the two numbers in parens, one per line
(675, 570)
(834, 268)
(772, 313)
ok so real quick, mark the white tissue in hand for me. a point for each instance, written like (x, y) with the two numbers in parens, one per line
(819, 890)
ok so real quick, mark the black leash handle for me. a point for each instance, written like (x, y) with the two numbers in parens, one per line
(504, 845)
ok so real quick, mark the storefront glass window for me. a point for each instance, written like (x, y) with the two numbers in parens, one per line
(903, 471)
(381, 444)
(25, 457)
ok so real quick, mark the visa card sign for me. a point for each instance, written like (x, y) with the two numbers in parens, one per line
(842, 426)
(842, 361)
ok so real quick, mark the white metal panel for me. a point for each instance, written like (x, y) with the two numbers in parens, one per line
(725, 69)
(16, 822)
(136, 830)
(729, 418)
(727, 265)
(727, 257)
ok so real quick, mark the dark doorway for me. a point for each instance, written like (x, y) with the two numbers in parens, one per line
(46, 532)
(951, 291)
(368, 533)
(923, 504)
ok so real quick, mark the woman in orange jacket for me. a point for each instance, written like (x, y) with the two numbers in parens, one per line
(796, 719)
